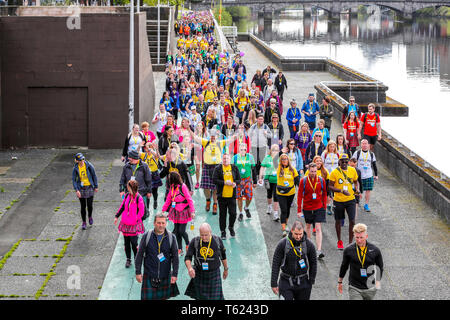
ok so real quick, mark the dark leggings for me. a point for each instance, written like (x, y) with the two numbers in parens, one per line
(155, 194)
(131, 243)
(179, 229)
(86, 202)
(285, 203)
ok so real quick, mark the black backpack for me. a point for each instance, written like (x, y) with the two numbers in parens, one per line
(197, 245)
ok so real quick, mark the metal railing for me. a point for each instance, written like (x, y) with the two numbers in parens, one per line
(229, 31)
(350, 83)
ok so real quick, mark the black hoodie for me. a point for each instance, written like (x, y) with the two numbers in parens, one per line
(291, 265)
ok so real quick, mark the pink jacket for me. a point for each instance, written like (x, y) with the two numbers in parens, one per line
(128, 210)
(179, 199)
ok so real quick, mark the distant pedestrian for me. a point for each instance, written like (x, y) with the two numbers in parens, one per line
(208, 252)
(84, 180)
(295, 255)
(310, 109)
(370, 126)
(158, 251)
(134, 141)
(293, 117)
(280, 83)
(365, 260)
(326, 112)
(132, 211)
(351, 107)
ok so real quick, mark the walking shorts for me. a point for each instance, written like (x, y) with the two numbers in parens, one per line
(341, 207)
(314, 216)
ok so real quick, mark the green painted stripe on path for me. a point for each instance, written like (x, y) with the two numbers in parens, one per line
(249, 274)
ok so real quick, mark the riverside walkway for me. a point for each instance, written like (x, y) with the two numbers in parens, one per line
(414, 242)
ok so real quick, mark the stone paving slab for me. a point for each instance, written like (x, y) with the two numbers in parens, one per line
(27, 265)
(20, 285)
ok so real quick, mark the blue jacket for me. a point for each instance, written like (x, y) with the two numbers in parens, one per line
(306, 108)
(76, 181)
(325, 135)
(299, 162)
(290, 116)
(169, 104)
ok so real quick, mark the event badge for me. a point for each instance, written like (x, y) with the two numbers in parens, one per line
(213, 159)
(366, 168)
(363, 272)
(314, 196)
(274, 173)
(372, 124)
(192, 226)
(345, 188)
(174, 204)
(302, 263)
(242, 171)
(205, 266)
(133, 178)
(286, 183)
(351, 134)
(161, 257)
(82, 183)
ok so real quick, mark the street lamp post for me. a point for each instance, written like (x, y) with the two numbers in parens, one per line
(158, 32)
(131, 70)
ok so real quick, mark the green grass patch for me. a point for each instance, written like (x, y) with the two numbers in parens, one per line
(9, 253)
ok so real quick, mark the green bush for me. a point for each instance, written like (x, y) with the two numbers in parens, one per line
(227, 20)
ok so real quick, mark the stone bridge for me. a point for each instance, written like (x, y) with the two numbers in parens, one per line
(333, 7)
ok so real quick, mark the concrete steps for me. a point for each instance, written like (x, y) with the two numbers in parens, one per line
(152, 35)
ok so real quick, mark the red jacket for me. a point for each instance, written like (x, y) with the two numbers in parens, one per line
(235, 144)
(308, 202)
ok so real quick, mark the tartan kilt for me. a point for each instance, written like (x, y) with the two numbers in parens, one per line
(367, 184)
(131, 230)
(207, 285)
(246, 190)
(183, 216)
(164, 292)
(207, 181)
(156, 180)
(87, 192)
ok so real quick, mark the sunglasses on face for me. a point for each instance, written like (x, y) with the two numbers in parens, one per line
(292, 143)
(317, 136)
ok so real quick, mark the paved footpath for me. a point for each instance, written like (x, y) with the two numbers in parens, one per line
(42, 246)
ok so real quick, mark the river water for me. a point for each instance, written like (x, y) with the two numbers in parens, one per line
(412, 59)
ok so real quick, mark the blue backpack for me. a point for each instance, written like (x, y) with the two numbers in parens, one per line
(304, 185)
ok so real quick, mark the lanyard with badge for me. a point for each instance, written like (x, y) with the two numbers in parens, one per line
(174, 203)
(243, 163)
(160, 254)
(205, 266)
(314, 195)
(301, 262)
(363, 254)
(365, 164)
(133, 177)
(213, 152)
(344, 187)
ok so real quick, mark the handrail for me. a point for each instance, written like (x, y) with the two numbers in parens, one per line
(169, 26)
(222, 39)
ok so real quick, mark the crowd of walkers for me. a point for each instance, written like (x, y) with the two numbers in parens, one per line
(219, 130)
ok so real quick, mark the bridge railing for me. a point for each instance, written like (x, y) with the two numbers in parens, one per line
(224, 45)
(326, 85)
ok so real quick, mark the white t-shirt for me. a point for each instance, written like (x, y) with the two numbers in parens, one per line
(331, 161)
(364, 163)
(162, 120)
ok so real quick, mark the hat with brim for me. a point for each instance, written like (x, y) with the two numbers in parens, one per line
(343, 156)
(133, 155)
(79, 156)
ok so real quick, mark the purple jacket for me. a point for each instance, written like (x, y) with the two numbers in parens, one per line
(299, 140)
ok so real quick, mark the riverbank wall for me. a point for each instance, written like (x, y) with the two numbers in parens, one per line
(427, 182)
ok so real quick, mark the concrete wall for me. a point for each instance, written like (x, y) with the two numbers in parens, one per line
(41, 52)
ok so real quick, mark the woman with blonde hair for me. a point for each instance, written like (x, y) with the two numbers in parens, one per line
(241, 101)
(151, 157)
(287, 179)
(251, 119)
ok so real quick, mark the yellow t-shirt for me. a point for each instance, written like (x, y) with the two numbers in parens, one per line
(241, 103)
(341, 182)
(188, 43)
(227, 176)
(319, 173)
(150, 161)
(287, 180)
(213, 152)
(180, 42)
(83, 176)
(209, 95)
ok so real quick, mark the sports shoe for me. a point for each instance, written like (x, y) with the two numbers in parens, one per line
(180, 252)
(224, 235)
(83, 226)
(284, 233)
(340, 245)
(314, 231)
(320, 254)
(232, 234)
(214, 209)
(366, 208)
(91, 221)
(276, 217)
(241, 216)
(208, 205)
(329, 212)
(269, 209)
(247, 213)
(197, 185)
(128, 263)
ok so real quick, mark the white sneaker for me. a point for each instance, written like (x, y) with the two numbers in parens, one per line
(276, 217)
(269, 209)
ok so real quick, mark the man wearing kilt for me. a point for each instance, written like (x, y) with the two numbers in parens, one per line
(212, 157)
(207, 251)
(158, 250)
